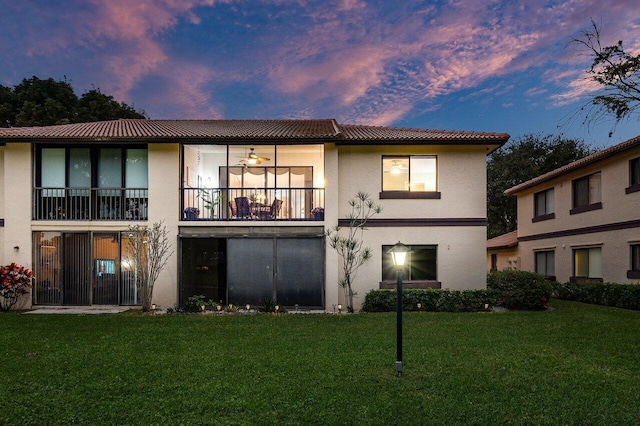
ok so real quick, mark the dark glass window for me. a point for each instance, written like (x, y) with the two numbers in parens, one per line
(421, 263)
(635, 257)
(545, 263)
(544, 203)
(587, 190)
(634, 172)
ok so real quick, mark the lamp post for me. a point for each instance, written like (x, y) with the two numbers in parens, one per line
(399, 255)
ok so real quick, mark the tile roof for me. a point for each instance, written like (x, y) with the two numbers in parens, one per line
(385, 134)
(583, 162)
(503, 241)
(242, 130)
(135, 129)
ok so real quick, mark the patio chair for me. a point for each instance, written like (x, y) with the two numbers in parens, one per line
(243, 208)
(275, 208)
(232, 208)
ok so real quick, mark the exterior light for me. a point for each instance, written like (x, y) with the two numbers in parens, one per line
(399, 255)
(277, 308)
(419, 306)
(339, 308)
(153, 308)
(202, 307)
(248, 307)
(219, 308)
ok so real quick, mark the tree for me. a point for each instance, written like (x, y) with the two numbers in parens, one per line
(616, 72)
(147, 254)
(518, 161)
(44, 102)
(95, 106)
(350, 248)
(36, 102)
(7, 110)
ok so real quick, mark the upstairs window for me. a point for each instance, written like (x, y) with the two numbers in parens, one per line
(634, 176)
(587, 193)
(543, 205)
(411, 176)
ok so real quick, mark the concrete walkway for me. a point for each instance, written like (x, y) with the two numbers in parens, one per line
(79, 310)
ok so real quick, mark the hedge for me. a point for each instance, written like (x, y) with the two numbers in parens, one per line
(508, 289)
(521, 289)
(625, 296)
(430, 300)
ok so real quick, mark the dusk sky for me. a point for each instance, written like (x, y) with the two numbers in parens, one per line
(480, 65)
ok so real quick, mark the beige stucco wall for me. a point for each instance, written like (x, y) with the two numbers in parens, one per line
(617, 206)
(2, 210)
(508, 259)
(332, 181)
(461, 179)
(17, 202)
(164, 181)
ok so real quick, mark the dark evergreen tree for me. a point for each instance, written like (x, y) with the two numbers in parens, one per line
(36, 102)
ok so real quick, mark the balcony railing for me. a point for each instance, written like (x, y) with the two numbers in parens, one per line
(253, 204)
(90, 204)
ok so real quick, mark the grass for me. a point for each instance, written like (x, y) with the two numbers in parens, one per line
(578, 364)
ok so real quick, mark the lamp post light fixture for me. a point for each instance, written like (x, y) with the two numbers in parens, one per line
(339, 308)
(399, 255)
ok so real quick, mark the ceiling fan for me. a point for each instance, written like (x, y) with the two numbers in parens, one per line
(252, 158)
(397, 167)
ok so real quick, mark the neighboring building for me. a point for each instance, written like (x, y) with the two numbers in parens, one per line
(581, 222)
(502, 253)
(248, 202)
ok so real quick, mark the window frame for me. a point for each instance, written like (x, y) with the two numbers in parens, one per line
(634, 176)
(94, 154)
(589, 277)
(592, 204)
(547, 215)
(634, 261)
(553, 262)
(408, 193)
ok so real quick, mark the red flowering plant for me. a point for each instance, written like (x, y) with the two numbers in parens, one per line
(14, 282)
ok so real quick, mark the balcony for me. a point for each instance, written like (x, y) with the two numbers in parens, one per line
(263, 204)
(108, 204)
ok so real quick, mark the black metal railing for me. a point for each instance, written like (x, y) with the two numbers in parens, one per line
(90, 204)
(253, 204)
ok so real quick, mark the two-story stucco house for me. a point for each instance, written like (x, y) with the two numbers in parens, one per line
(581, 222)
(247, 203)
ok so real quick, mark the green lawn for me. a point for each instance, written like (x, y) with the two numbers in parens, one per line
(579, 364)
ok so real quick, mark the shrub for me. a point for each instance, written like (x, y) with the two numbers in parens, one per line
(520, 289)
(625, 296)
(194, 303)
(14, 282)
(430, 300)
